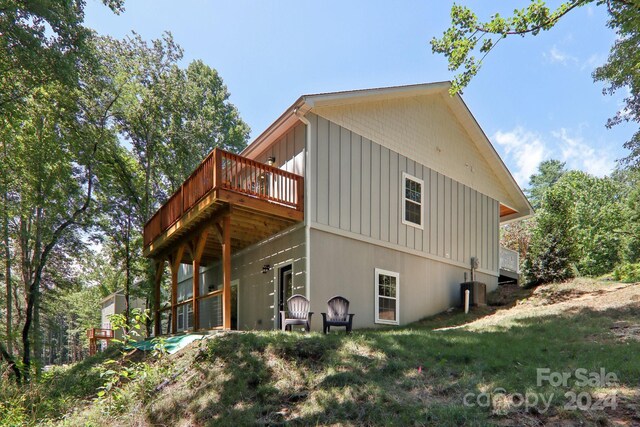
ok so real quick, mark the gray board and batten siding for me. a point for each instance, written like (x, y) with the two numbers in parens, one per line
(288, 150)
(356, 186)
(354, 208)
(426, 286)
(256, 289)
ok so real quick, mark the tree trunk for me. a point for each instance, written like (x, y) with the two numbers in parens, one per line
(127, 261)
(25, 255)
(12, 363)
(37, 336)
(145, 217)
(16, 304)
(26, 342)
(7, 252)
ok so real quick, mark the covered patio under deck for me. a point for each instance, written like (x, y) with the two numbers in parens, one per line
(228, 203)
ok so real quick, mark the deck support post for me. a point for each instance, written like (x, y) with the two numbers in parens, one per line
(175, 260)
(197, 250)
(223, 230)
(159, 270)
(93, 347)
(195, 281)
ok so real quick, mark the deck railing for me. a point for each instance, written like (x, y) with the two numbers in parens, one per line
(224, 170)
(509, 260)
(100, 333)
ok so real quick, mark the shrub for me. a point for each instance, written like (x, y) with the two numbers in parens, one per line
(553, 253)
(627, 273)
(13, 407)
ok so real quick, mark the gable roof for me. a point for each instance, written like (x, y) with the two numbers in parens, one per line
(514, 204)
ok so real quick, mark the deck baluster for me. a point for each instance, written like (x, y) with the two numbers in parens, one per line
(224, 170)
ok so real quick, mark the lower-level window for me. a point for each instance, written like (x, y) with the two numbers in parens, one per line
(184, 317)
(387, 293)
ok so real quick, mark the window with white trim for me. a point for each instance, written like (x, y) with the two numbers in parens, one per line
(387, 297)
(184, 318)
(412, 197)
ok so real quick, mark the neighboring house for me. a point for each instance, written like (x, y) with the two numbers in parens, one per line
(112, 304)
(382, 196)
(116, 304)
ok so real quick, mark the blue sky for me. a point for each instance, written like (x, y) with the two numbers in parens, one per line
(534, 96)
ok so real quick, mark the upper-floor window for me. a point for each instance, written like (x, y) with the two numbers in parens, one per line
(412, 197)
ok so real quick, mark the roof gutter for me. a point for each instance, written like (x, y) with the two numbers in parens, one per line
(277, 129)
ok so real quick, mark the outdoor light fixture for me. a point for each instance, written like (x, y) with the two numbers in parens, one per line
(271, 160)
(266, 268)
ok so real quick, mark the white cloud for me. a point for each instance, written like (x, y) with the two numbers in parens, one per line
(558, 56)
(579, 155)
(523, 150)
(593, 61)
(555, 55)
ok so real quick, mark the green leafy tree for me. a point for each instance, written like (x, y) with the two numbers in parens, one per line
(142, 73)
(200, 118)
(549, 172)
(60, 141)
(171, 117)
(517, 236)
(66, 299)
(553, 250)
(6, 167)
(91, 155)
(632, 227)
(118, 216)
(600, 217)
(469, 40)
(41, 43)
(76, 310)
(49, 148)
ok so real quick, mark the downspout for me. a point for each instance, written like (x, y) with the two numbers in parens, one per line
(307, 193)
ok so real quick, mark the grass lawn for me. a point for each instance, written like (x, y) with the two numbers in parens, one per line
(417, 375)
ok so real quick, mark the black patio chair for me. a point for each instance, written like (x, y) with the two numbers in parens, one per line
(298, 313)
(337, 314)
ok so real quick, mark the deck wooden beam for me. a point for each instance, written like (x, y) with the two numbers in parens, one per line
(226, 271)
(218, 230)
(199, 244)
(249, 202)
(195, 281)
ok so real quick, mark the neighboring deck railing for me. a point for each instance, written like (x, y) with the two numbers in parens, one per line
(99, 333)
(224, 170)
(509, 260)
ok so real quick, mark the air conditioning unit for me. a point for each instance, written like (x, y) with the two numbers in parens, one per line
(477, 293)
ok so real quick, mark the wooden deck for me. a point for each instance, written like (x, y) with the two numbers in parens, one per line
(97, 334)
(228, 203)
(263, 198)
(509, 266)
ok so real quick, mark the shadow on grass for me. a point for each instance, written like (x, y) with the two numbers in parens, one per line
(403, 376)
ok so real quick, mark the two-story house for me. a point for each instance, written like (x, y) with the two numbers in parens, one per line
(381, 195)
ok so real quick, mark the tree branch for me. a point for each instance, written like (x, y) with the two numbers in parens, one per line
(553, 19)
(487, 52)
